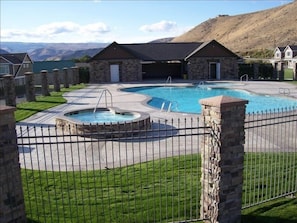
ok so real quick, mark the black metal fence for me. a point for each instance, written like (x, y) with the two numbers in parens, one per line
(150, 176)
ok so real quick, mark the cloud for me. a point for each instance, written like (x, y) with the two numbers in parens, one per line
(162, 26)
(57, 31)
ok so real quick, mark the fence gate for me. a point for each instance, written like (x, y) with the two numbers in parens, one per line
(150, 175)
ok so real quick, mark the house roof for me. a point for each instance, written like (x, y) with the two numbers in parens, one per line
(161, 51)
(14, 58)
(157, 51)
(293, 47)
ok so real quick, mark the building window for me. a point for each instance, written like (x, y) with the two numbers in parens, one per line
(4, 69)
(25, 65)
(288, 53)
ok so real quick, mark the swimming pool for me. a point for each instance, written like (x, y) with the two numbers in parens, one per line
(186, 99)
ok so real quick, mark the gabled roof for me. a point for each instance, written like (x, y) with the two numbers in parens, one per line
(157, 51)
(161, 51)
(14, 58)
(280, 48)
(293, 47)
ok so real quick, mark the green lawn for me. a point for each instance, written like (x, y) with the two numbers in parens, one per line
(146, 192)
(27, 109)
(157, 191)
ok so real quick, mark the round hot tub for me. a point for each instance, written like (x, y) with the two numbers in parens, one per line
(103, 122)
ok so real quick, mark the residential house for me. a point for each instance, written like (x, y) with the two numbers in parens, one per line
(286, 54)
(136, 62)
(15, 63)
(278, 53)
(290, 55)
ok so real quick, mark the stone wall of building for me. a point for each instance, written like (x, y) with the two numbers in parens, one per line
(198, 68)
(99, 72)
(130, 70)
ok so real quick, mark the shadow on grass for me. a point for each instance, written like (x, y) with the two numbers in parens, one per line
(277, 211)
(264, 219)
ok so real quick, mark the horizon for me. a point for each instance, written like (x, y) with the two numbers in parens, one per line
(101, 21)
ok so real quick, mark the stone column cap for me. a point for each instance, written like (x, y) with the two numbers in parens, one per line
(6, 109)
(223, 101)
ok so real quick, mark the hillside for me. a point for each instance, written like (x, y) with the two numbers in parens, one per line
(53, 51)
(246, 32)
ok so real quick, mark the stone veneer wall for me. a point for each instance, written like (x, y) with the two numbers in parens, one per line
(12, 207)
(222, 156)
(198, 68)
(130, 70)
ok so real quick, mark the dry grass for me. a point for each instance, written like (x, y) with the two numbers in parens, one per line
(259, 30)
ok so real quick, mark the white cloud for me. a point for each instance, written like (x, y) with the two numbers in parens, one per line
(162, 26)
(95, 28)
(57, 31)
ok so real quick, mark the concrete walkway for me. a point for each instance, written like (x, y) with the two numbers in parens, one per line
(75, 153)
(88, 97)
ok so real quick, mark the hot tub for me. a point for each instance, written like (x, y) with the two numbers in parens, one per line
(103, 122)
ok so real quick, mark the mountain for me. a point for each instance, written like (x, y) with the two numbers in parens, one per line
(53, 51)
(247, 32)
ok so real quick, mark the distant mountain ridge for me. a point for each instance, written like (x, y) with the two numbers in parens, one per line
(53, 51)
(265, 29)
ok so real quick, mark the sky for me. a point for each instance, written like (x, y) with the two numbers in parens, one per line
(105, 21)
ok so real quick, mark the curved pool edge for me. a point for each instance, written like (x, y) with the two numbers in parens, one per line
(104, 130)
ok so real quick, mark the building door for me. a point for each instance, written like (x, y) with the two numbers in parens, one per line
(215, 71)
(114, 73)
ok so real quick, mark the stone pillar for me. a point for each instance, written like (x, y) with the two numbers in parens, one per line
(9, 90)
(66, 78)
(12, 207)
(222, 159)
(30, 88)
(75, 75)
(44, 83)
(56, 80)
(280, 71)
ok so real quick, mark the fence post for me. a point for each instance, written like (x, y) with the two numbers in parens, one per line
(12, 208)
(56, 80)
(9, 90)
(222, 159)
(30, 88)
(280, 71)
(44, 83)
(75, 75)
(66, 81)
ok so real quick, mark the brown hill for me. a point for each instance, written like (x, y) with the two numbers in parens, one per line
(247, 32)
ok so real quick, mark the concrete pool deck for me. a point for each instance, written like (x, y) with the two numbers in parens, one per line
(75, 153)
(88, 97)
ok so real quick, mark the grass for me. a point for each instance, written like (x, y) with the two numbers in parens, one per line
(157, 191)
(27, 109)
(288, 74)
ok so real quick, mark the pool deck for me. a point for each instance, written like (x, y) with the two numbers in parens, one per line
(101, 156)
(88, 97)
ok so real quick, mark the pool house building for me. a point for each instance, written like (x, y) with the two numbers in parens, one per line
(136, 62)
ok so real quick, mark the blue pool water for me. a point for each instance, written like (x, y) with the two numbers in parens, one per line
(186, 99)
(101, 116)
